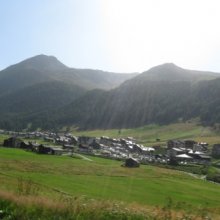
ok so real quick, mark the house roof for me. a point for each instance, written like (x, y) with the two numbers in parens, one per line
(134, 159)
(184, 156)
(177, 149)
(147, 149)
(56, 149)
(195, 152)
(204, 157)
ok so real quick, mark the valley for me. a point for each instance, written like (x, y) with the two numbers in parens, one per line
(68, 135)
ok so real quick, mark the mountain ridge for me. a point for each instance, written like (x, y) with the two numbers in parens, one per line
(140, 101)
(32, 92)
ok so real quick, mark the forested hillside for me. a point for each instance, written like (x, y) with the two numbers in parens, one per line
(162, 95)
(35, 87)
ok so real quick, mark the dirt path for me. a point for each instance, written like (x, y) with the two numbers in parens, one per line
(83, 157)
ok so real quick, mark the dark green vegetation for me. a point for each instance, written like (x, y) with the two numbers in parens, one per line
(32, 89)
(162, 95)
(41, 92)
(42, 185)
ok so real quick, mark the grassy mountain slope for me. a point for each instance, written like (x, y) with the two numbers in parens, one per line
(154, 135)
(93, 79)
(51, 94)
(44, 68)
(29, 72)
(171, 72)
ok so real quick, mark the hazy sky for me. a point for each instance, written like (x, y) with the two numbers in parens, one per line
(113, 35)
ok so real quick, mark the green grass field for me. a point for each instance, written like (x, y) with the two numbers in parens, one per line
(104, 179)
(147, 135)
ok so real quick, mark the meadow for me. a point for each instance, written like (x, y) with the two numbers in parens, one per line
(152, 135)
(104, 180)
(101, 188)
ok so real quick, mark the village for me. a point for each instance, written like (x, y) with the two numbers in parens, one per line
(125, 149)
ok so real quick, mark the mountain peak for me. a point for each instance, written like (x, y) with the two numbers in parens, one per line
(168, 72)
(44, 62)
(40, 63)
(42, 57)
(166, 66)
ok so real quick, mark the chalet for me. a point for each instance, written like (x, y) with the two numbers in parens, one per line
(147, 150)
(106, 153)
(74, 140)
(131, 162)
(204, 159)
(130, 139)
(199, 157)
(69, 147)
(55, 150)
(136, 148)
(140, 149)
(189, 144)
(200, 147)
(62, 140)
(183, 157)
(204, 144)
(95, 144)
(12, 142)
(216, 151)
(84, 149)
(34, 146)
(84, 140)
(192, 152)
(173, 152)
(106, 141)
(25, 145)
(122, 141)
(41, 149)
(175, 144)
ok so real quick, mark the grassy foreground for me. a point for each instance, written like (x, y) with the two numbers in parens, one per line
(148, 134)
(55, 177)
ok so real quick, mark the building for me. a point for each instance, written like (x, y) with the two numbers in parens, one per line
(189, 144)
(131, 162)
(174, 152)
(216, 151)
(183, 157)
(175, 144)
(12, 142)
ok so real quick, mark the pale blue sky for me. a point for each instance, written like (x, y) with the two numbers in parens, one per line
(113, 35)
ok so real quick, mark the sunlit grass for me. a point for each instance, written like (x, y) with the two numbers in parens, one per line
(147, 135)
(104, 179)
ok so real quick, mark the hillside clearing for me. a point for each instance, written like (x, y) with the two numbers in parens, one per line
(147, 135)
(103, 179)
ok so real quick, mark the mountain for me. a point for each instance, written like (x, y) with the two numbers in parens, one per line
(39, 97)
(42, 83)
(44, 68)
(44, 93)
(164, 94)
(172, 73)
